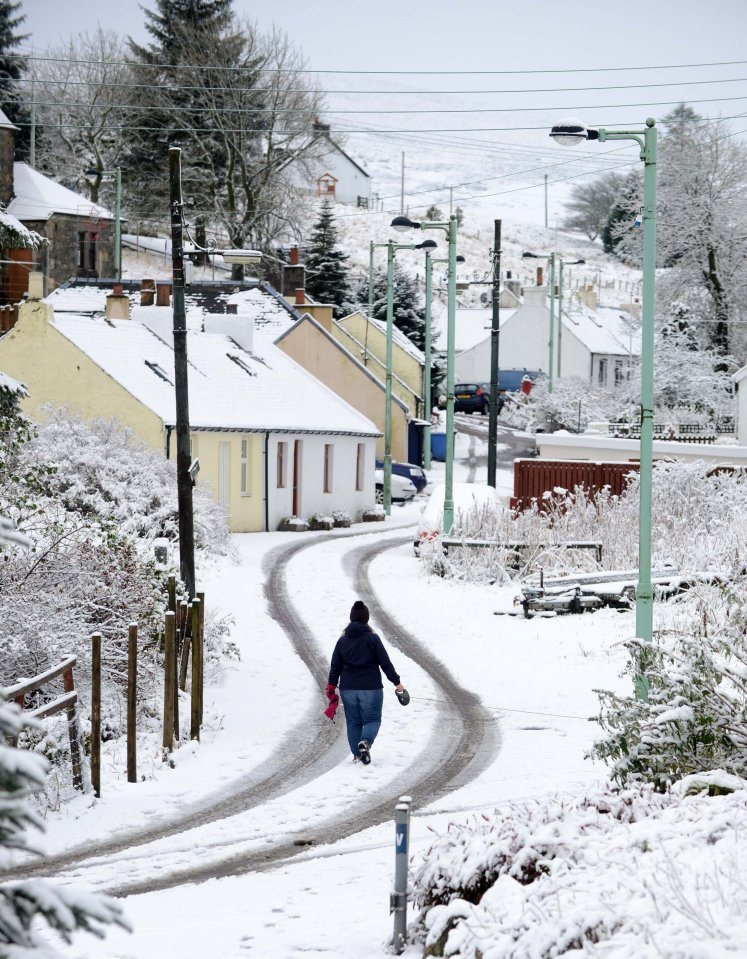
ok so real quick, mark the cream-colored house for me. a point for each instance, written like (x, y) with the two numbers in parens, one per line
(365, 338)
(272, 440)
(313, 346)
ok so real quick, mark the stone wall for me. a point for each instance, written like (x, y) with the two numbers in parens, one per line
(59, 260)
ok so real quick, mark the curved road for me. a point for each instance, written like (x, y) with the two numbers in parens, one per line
(466, 742)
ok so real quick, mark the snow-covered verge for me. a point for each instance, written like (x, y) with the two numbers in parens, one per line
(699, 522)
(617, 873)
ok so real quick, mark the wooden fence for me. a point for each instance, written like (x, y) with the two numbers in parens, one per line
(533, 478)
(8, 317)
(66, 701)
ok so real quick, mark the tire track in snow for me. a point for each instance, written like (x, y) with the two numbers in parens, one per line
(463, 745)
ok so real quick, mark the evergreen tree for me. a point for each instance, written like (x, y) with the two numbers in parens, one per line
(326, 270)
(24, 904)
(433, 214)
(12, 70)
(168, 24)
(407, 312)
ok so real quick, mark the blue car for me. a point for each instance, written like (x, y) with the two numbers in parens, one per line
(410, 471)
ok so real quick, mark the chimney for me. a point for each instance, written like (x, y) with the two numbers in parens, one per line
(118, 306)
(588, 296)
(147, 292)
(163, 293)
(540, 276)
(294, 256)
(300, 296)
(36, 285)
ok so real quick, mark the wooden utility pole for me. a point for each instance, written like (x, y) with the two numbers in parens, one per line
(181, 379)
(132, 704)
(96, 714)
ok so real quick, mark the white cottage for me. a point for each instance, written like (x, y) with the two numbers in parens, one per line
(333, 176)
(596, 344)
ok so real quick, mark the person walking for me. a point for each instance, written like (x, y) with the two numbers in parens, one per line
(358, 659)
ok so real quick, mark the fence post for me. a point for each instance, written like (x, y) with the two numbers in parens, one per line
(196, 671)
(201, 598)
(184, 630)
(172, 592)
(169, 665)
(96, 714)
(132, 704)
(398, 899)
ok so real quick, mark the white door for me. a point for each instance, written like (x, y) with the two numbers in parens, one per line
(225, 466)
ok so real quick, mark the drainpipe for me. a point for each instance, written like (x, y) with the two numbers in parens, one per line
(267, 483)
(168, 442)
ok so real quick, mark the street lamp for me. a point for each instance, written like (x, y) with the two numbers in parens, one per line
(117, 174)
(429, 261)
(570, 132)
(392, 248)
(403, 223)
(185, 469)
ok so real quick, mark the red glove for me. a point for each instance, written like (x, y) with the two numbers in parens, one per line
(334, 700)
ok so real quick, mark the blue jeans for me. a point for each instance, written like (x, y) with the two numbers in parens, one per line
(362, 714)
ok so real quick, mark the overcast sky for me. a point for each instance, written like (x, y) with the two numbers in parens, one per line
(449, 35)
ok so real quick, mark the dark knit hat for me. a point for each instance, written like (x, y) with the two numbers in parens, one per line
(359, 612)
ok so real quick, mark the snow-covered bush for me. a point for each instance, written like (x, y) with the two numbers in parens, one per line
(614, 872)
(695, 718)
(24, 906)
(103, 469)
(699, 523)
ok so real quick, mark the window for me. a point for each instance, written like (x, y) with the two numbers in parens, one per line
(87, 243)
(328, 449)
(245, 475)
(619, 373)
(281, 465)
(602, 371)
(360, 462)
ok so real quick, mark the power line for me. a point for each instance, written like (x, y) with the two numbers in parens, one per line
(431, 73)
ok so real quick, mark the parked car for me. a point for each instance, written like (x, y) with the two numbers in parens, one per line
(471, 398)
(403, 489)
(509, 381)
(410, 471)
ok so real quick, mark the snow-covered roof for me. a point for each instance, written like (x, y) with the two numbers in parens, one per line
(270, 312)
(604, 330)
(5, 122)
(229, 388)
(38, 198)
(470, 327)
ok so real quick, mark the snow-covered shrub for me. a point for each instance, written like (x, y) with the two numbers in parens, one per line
(695, 718)
(615, 872)
(103, 469)
(24, 906)
(699, 522)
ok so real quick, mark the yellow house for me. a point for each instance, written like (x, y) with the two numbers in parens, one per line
(272, 440)
(311, 345)
(365, 338)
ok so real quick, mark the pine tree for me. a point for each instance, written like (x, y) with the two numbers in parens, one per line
(12, 70)
(23, 904)
(167, 26)
(407, 313)
(326, 270)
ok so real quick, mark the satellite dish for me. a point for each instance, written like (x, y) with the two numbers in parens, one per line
(484, 298)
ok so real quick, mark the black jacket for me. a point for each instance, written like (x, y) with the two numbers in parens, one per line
(358, 657)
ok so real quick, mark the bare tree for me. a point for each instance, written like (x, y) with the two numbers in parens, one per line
(81, 90)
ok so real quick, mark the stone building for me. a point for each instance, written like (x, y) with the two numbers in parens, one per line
(80, 233)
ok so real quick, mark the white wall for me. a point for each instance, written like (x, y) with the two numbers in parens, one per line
(740, 386)
(595, 448)
(313, 499)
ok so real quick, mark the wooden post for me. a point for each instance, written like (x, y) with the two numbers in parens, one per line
(201, 598)
(172, 592)
(168, 681)
(175, 683)
(186, 641)
(196, 671)
(95, 714)
(131, 704)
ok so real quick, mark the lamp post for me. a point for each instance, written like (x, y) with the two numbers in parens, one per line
(569, 132)
(392, 249)
(185, 469)
(450, 229)
(429, 261)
